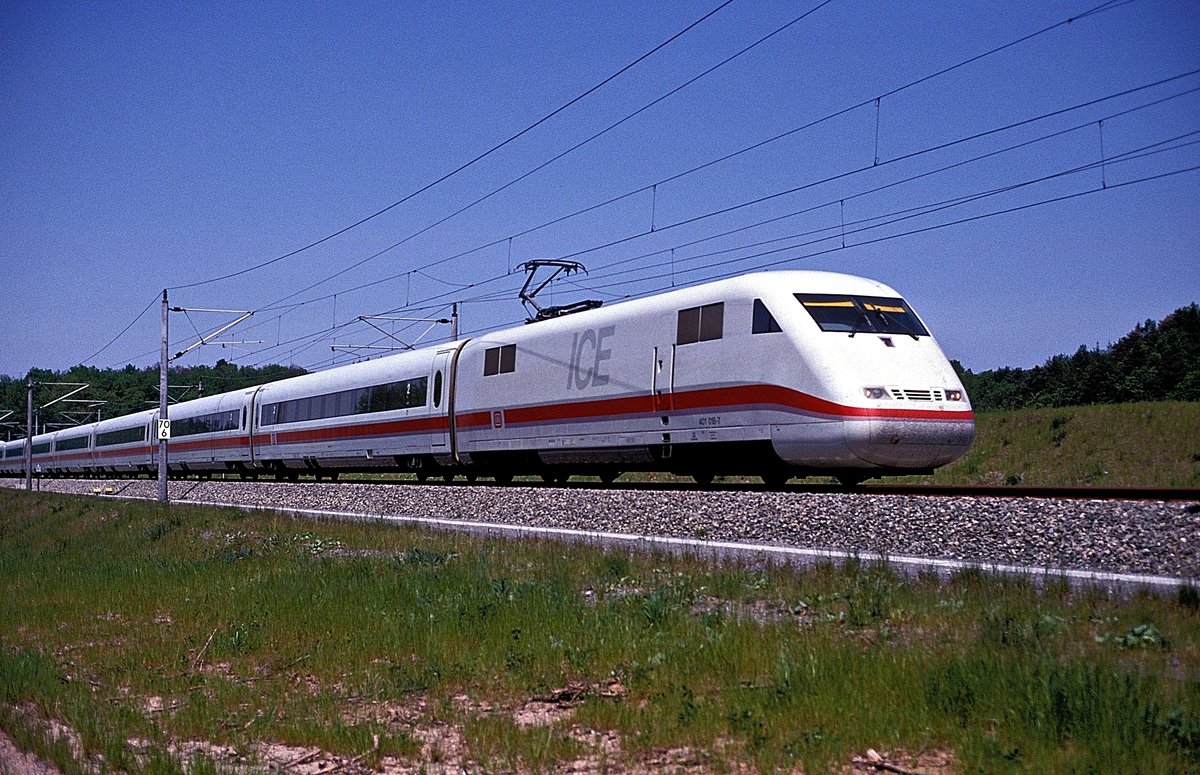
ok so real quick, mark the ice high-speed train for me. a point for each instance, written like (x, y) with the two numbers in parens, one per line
(773, 374)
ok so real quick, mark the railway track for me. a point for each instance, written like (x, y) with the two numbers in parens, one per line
(1173, 494)
(1131, 533)
(1165, 494)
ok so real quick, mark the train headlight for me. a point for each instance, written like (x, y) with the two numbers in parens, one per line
(876, 392)
(953, 395)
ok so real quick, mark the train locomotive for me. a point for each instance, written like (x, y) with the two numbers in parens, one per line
(770, 374)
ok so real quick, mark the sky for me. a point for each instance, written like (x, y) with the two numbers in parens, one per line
(1019, 178)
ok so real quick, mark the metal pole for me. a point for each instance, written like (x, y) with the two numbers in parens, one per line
(454, 322)
(29, 436)
(162, 405)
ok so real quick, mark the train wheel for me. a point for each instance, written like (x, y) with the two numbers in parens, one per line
(422, 476)
(703, 478)
(608, 477)
(503, 477)
(850, 481)
(448, 477)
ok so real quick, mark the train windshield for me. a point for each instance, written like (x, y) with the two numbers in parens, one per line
(862, 314)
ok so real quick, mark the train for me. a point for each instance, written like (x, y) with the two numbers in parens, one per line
(772, 374)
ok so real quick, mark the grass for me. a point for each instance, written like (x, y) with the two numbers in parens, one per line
(1117, 445)
(125, 621)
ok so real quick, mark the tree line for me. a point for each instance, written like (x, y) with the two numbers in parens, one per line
(1156, 361)
(122, 391)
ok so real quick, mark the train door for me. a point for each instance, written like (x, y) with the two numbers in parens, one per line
(439, 400)
(662, 379)
(252, 423)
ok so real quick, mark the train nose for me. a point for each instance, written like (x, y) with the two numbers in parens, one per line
(909, 443)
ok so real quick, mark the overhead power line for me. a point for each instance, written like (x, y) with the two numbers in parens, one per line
(810, 208)
(113, 341)
(728, 232)
(1111, 4)
(877, 240)
(887, 219)
(1102, 7)
(892, 184)
(461, 167)
(878, 221)
(567, 152)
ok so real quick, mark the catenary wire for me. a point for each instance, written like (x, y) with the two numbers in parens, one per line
(1094, 10)
(461, 167)
(1102, 7)
(561, 155)
(884, 163)
(862, 193)
(926, 210)
(922, 210)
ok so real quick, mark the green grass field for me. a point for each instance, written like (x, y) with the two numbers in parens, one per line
(141, 629)
(1116, 445)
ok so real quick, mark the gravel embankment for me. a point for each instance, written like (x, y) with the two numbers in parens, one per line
(1112, 536)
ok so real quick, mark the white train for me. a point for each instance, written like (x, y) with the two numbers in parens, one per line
(774, 374)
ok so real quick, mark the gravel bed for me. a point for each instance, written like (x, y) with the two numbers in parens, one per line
(1152, 538)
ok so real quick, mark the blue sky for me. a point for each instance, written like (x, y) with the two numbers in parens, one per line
(162, 144)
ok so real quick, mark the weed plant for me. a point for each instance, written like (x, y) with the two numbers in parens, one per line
(128, 621)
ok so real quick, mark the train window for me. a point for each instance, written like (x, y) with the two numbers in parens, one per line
(687, 329)
(861, 314)
(123, 436)
(206, 423)
(416, 392)
(79, 442)
(41, 449)
(437, 389)
(500, 360)
(764, 321)
(700, 324)
(390, 396)
(341, 403)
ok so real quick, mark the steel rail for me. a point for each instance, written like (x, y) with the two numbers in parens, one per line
(1010, 492)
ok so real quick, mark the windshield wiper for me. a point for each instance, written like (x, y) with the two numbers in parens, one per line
(862, 317)
(887, 321)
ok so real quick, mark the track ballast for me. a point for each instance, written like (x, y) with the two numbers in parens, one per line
(1156, 537)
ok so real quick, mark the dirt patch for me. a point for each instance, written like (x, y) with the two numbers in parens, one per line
(442, 749)
(15, 762)
(904, 762)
